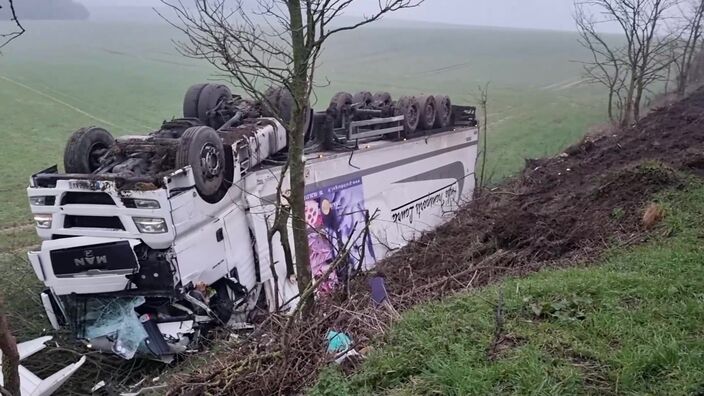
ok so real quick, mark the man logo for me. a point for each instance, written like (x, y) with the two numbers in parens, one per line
(89, 259)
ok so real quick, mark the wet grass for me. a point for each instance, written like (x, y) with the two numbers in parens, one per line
(631, 325)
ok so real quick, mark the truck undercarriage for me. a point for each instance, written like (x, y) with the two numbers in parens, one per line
(149, 241)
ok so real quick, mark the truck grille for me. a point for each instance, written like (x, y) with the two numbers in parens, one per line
(87, 198)
(112, 222)
(113, 256)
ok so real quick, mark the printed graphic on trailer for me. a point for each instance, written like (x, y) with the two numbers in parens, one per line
(335, 215)
(414, 210)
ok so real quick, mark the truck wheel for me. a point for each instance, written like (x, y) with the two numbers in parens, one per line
(278, 104)
(428, 112)
(85, 148)
(382, 99)
(444, 111)
(190, 101)
(364, 98)
(211, 98)
(201, 148)
(408, 107)
(342, 103)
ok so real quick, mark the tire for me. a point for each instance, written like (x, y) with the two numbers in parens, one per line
(408, 107)
(278, 104)
(382, 99)
(428, 112)
(443, 119)
(190, 101)
(342, 103)
(201, 148)
(210, 98)
(364, 98)
(85, 148)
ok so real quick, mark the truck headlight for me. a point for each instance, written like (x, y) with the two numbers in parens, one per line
(42, 220)
(42, 200)
(150, 225)
(138, 203)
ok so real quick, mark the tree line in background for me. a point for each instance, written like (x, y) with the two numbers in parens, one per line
(658, 47)
(43, 9)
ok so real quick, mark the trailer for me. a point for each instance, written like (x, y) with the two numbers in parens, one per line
(149, 241)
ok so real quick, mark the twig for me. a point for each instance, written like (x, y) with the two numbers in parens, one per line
(12, 35)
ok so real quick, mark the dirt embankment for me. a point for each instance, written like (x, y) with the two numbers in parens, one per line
(559, 211)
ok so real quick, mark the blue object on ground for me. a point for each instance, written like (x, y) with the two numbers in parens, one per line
(338, 342)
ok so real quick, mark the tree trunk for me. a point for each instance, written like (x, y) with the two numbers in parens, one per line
(637, 102)
(682, 84)
(668, 78)
(10, 355)
(611, 104)
(628, 108)
(299, 87)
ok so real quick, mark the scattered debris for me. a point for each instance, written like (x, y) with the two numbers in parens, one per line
(30, 383)
(98, 386)
(338, 342)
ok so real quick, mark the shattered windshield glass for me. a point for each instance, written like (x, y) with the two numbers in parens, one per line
(114, 318)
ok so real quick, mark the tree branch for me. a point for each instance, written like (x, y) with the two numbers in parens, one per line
(6, 38)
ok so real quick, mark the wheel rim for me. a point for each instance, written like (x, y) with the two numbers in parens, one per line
(412, 115)
(210, 161)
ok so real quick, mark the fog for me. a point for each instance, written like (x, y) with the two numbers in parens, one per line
(45, 9)
(532, 14)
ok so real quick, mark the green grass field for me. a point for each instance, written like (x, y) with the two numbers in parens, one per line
(128, 78)
(631, 326)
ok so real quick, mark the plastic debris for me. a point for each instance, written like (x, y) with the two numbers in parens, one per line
(97, 386)
(338, 342)
(349, 354)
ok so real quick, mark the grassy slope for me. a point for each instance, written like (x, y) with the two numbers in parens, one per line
(128, 78)
(641, 333)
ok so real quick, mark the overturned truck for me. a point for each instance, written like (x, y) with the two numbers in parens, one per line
(148, 241)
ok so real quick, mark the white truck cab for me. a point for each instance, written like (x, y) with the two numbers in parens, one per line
(142, 263)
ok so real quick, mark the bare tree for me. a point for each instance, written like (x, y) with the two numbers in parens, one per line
(263, 43)
(605, 67)
(684, 50)
(6, 38)
(630, 65)
(10, 356)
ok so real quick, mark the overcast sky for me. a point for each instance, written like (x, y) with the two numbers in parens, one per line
(538, 14)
